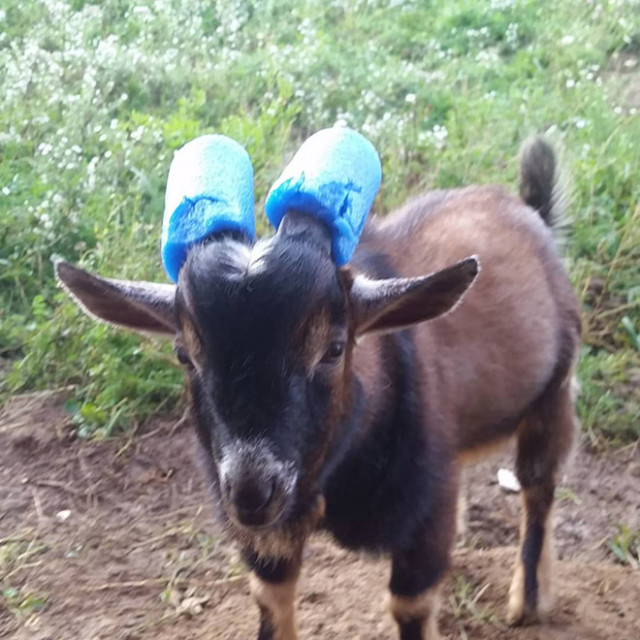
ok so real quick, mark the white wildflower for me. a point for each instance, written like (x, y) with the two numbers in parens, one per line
(44, 148)
(137, 134)
(511, 35)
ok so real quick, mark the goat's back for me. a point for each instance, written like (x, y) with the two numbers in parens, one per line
(486, 361)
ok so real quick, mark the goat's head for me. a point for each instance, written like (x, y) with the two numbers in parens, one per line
(266, 331)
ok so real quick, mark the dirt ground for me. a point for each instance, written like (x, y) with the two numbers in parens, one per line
(117, 540)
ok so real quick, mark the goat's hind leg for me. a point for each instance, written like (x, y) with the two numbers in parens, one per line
(544, 439)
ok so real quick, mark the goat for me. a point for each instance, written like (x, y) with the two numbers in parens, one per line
(322, 399)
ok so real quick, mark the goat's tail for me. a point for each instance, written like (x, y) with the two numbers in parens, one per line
(540, 181)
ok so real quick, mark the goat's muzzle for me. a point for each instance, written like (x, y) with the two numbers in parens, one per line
(256, 487)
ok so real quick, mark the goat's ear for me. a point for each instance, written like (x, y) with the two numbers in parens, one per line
(147, 307)
(388, 305)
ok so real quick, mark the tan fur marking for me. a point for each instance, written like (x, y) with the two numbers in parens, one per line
(468, 457)
(424, 606)
(279, 601)
(191, 341)
(189, 334)
(283, 542)
(462, 508)
(545, 567)
(515, 608)
(315, 335)
(368, 367)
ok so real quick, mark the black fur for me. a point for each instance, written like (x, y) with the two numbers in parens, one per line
(411, 630)
(421, 564)
(265, 631)
(384, 490)
(531, 551)
(539, 181)
(251, 355)
(272, 570)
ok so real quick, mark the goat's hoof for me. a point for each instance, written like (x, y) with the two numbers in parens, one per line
(522, 616)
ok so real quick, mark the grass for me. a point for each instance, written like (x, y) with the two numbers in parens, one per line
(16, 555)
(625, 546)
(22, 604)
(464, 601)
(97, 96)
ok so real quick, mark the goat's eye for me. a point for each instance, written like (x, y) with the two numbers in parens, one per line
(334, 352)
(183, 357)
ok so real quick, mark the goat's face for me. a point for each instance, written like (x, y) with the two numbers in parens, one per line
(263, 332)
(266, 333)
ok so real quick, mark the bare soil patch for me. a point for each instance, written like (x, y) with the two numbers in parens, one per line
(118, 540)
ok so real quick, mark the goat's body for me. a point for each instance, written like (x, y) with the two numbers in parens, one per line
(447, 390)
(491, 358)
(498, 366)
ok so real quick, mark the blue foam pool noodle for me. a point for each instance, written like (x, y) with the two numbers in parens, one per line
(209, 190)
(334, 176)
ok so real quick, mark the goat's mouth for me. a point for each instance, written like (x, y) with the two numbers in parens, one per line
(282, 537)
(255, 523)
(258, 518)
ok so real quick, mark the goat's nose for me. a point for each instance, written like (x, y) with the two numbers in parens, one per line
(251, 499)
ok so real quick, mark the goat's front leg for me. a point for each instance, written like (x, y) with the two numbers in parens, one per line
(273, 584)
(416, 575)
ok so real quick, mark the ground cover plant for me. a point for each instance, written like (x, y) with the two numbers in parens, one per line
(97, 95)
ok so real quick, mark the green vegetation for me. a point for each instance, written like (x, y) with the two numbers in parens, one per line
(21, 604)
(97, 95)
(15, 554)
(625, 546)
(464, 603)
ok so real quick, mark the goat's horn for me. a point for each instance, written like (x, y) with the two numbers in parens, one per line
(334, 176)
(209, 190)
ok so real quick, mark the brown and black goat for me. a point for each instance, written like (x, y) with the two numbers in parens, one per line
(322, 399)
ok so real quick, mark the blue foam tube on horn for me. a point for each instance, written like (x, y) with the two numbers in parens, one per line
(209, 190)
(334, 176)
